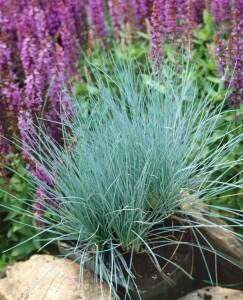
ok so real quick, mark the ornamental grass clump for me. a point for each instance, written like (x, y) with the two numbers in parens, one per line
(132, 158)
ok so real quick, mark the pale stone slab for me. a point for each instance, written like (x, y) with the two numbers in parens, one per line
(214, 293)
(44, 277)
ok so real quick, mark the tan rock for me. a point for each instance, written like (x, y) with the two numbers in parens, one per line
(214, 293)
(49, 278)
(219, 238)
(225, 243)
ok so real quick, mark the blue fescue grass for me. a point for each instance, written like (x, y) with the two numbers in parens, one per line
(134, 158)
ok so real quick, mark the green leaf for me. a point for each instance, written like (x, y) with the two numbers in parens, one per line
(213, 79)
(23, 250)
(240, 201)
(239, 149)
(155, 84)
(16, 184)
(92, 89)
(144, 35)
(201, 35)
(12, 214)
(36, 243)
(207, 17)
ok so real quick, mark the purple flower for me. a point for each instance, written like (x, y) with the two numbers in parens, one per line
(222, 16)
(96, 8)
(230, 60)
(189, 20)
(25, 122)
(143, 9)
(116, 16)
(236, 55)
(136, 19)
(130, 15)
(12, 94)
(226, 15)
(182, 9)
(173, 31)
(41, 196)
(78, 14)
(45, 60)
(68, 37)
(50, 8)
(140, 12)
(29, 64)
(38, 208)
(5, 57)
(34, 93)
(156, 36)
(199, 6)
(220, 55)
(57, 96)
(9, 90)
(161, 4)
(216, 12)
(28, 54)
(238, 5)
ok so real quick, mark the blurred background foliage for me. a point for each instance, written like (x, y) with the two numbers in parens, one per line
(13, 228)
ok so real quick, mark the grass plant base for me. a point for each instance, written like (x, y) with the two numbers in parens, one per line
(169, 283)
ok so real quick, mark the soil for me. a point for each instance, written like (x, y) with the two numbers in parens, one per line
(144, 268)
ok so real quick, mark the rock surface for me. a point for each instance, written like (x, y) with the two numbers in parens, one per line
(218, 236)
(214, 293)
(44, 277)
(228, 270)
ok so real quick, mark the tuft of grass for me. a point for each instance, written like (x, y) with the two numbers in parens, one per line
(133, 158)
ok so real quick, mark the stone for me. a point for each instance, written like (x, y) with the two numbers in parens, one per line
(223, 241)
(214, 293)
(217, 236)
(47, 277)
(227, 270)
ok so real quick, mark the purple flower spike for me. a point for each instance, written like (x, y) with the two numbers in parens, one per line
(190, 16)
(135, 14)
(238, 5)
(143, 9)
(78, 14)
(215, 10)
(11, 93)
(227, 15)
(230, 60)
(97, 19)
(161, 4)
(116, 16)
(68, 37)
(199, 6)
(236, 54)
(50, 8)
(25, 121)
(222, 16)
(139, 11)
(171, 27)
(221, 56)
(156, 37)
(38, 208)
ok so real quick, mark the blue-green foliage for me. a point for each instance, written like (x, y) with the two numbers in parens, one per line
(133, 156)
